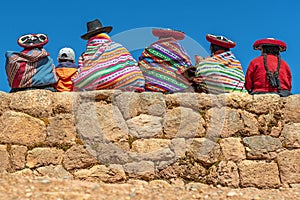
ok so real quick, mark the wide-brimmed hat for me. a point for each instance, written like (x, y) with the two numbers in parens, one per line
(32, 40)
(258, 45)
(220, 41)
(94, 27)
(178, 35)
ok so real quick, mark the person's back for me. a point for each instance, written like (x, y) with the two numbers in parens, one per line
(66, 70)
(32, 68)
(278, 79)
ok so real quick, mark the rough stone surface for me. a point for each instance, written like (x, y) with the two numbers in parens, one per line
(291, 135)
(262, 147)
(140, 170)
(39, 157)
(5, 101)
(145, 126)
(111, 174)
(204, 151)
(292, 109)
(22, 129)
(18, 156)
(232, 149)
(54, 172)
(224, 173)
(288, 162)
(61, 130)
(259, 174)
(263, 104)
(223, 122)
(37, 103)
(77, 157)
(183, 123)
(4, 164)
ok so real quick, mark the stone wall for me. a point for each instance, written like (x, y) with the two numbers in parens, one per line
(233, 140)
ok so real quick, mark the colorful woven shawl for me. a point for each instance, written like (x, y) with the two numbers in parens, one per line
(108, 65)
(30, 68)
(221, 73)
(162, 64)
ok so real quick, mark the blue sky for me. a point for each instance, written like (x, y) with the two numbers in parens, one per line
(242, 21)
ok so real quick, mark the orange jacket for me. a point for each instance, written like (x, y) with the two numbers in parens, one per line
(66, 71)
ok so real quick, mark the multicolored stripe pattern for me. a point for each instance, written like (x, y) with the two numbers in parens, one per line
(108, 65)
(30, 68)
(162, 64)
(221, 73)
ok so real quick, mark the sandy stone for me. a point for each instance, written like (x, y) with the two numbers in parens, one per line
(40, 157)
(183, 123)
(204, 151)
(18, 156)
(37, 103)
(263, 104)
(140, 170)
(61, 131)
(145, 126)
(291, 136)
(288, 162)
(262, 147)
(179, 147)
(292, 109)
(65, 102)
(223, 122)
(259, 174)
(4, 164)
(250, 122)
(54, 172)
(78, 158)
(111, 174)
(5, 101)
(224, 173)
(232, 149)
(21, 129)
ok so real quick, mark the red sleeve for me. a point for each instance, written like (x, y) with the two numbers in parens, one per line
(249, 77)
(289, 76)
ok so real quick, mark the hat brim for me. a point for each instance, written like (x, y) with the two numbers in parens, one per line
(271, 42)
(168, 33)
(39, 43)
(227, 44)
(106, 29)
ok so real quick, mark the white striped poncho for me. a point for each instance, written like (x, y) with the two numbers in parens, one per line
(221, 73)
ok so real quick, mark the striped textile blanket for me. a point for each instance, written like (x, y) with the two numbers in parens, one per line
(162, 64)
(108, 65)
(30, 68)
(221, 73)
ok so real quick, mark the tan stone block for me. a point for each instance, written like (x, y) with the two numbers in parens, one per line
(5, 101)
(259, 174)
(263, 104)
(4, 159)
(183, 122)
(150, 145)
(78, 158)
(111, 174)
(61, 130)
(37, 103)
(291, 109)
(289, 166)
(18, 156)
(291, 136)
(21, 129)
(54, 172)
(65, 102)
(223, 122)
(40, 157)
(233, 149)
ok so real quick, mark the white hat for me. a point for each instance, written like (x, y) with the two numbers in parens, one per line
(66, 54)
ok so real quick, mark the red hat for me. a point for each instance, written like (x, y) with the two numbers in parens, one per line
(33, 40)
(220, 41)
(269, 42)
(178, 35)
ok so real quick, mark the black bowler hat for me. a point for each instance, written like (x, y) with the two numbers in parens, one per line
(94, 27)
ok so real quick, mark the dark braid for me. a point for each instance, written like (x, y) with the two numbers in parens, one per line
(273, 77)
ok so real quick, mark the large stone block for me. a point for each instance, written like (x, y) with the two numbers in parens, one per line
(37, 103)
(18, 156)
(291, 135)
(291, 109)
(262, 147)
(58, 172)
(259, 174)
(183, 122)
(289, 166)
(140, 170)
(40, 157)
(78, 158)
(5, 101)
(22, 129)
(265, 103)
(232, 149)
(4, 157)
